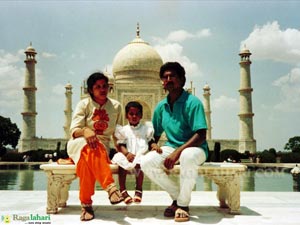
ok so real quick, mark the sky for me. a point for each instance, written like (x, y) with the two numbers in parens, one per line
(75, 38)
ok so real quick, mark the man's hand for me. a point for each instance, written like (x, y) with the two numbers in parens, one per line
(155, 147)
(171, 160)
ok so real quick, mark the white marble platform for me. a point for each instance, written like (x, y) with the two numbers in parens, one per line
(259, 208)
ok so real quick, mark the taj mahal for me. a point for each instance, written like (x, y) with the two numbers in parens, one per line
(135, 76)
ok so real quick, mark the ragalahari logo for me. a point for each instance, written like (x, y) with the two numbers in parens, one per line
(5, 219)
(27, 219)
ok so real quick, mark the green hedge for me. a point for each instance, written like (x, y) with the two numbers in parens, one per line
(12, 157)
(291, 157)
(34, 155)
(266, 157)
(230, 153)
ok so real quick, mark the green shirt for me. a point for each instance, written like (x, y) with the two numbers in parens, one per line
(181, 123)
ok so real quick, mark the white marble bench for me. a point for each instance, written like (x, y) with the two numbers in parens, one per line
(225, 175)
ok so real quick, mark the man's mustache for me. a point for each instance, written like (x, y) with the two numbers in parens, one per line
(165, 83)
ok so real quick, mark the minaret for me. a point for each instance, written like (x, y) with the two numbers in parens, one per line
(206, 104)
(246, 140)
(29, 109)
(68, 110)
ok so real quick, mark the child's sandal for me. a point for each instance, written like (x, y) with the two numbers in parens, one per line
(138, 196)
(114, 194)
(127, 198)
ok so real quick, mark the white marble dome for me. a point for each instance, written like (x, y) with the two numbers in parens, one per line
(137, 61)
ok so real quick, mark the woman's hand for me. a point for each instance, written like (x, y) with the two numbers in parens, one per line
(90, 137)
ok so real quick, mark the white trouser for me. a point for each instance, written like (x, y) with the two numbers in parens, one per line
(190, 159)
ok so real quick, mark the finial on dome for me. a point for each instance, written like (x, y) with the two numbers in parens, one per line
(206, 87)
(138, 30)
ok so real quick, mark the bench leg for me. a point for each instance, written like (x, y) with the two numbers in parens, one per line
(64, 191)
(57, 189)
(228, 192)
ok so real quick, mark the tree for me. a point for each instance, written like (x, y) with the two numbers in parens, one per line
(9, 134)
(273, 151)
(293, 144)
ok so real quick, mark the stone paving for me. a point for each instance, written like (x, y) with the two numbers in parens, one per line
(259, 208)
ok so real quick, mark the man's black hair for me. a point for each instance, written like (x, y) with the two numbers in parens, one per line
(175, 66)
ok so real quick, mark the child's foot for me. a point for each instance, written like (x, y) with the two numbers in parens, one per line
(138, 196)
(127, 198)
(114, 195)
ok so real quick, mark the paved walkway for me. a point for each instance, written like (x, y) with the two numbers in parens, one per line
(259, 208)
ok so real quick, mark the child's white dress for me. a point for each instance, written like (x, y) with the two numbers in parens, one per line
(136, 140)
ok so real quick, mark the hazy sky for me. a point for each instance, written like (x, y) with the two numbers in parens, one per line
(75, 38)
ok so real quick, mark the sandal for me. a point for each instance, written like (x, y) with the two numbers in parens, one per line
(170, 210)
(127, 198)
(223, 205)
(182, 214)
(87, 213)
(114, 194)
(138, 196)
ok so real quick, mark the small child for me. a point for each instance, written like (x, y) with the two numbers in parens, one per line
(133, 140)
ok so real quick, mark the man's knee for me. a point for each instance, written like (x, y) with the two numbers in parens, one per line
(191, 156)
(144, 162)
(147, 161)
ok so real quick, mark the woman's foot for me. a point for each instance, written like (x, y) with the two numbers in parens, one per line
(87, 213)
(138, 196)
(114, 194)
(127, 198)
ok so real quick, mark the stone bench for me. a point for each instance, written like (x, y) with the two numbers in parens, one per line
(225, 175)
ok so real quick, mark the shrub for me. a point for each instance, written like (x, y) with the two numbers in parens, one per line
(62, 154)
(38, 155)
(12, 157)
(273, 151)
(211, 157)
(267, 157)
(291, 157)
(230, 153)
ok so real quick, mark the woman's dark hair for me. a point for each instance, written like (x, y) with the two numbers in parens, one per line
(175, 66)
(135, 105)
(93, 79)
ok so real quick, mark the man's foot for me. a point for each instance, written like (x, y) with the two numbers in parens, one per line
(223, 205)
(114, 194)
(138, 196)
(127, 198)
(170, 210)
(87, 213)
(182, 214)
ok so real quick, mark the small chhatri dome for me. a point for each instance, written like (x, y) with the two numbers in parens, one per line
(30, 49)
(245, 51)
(137, 60)
(68, 86)
(206, 87)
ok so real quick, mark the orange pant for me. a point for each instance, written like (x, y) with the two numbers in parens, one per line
(93, 165)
